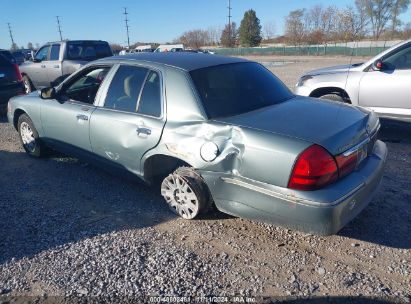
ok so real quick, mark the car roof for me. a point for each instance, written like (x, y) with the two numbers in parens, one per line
(75, 41)
(183, 60)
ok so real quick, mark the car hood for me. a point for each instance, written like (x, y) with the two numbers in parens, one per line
(334, 69)
(333, 125)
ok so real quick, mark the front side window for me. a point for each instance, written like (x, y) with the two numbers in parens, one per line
(150, 100)
(400, 60)
(55, 52)
(237, 88)
(125, 88)
(84, 88)
(42, 53)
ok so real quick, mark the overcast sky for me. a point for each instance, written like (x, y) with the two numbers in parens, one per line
(150, 20)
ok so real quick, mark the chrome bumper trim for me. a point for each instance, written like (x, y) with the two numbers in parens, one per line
(286, 197)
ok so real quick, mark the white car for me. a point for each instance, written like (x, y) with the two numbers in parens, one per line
(381, 84)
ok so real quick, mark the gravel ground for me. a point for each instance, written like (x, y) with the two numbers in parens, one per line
(70, 231)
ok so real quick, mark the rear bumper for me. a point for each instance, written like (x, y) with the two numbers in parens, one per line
(322, 212)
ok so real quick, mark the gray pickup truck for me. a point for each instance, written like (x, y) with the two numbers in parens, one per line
(54, 61)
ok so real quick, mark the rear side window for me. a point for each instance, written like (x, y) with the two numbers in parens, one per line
(88, 50)
(55, 52)
(103, 50)
(125, 88)
(150, 100)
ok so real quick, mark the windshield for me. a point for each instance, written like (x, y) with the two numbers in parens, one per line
(87, 50)
(237, 88)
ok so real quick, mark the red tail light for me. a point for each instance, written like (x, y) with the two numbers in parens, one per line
(17, 70)
(314, 169)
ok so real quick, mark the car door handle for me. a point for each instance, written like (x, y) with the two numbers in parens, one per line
(82, 117)
(143, 131)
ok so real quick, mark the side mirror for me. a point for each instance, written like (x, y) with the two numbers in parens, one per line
(377, 65)
(36, 60)
(48, 93)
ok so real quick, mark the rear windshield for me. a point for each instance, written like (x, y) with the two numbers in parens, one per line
(237, 88)
(88, 50)
(8, 56)
(3, 61)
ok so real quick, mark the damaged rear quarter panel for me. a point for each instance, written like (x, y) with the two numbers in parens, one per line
(255, 154)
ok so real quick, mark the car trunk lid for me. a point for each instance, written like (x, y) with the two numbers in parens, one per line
(335, 126)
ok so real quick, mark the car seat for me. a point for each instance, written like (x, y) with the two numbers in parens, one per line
(128, 102)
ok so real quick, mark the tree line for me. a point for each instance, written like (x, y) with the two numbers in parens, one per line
(375, 19)
(248, 34)
(371, 19)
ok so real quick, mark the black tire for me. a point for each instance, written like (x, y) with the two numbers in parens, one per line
(198, 179)
(34, 148)
(333, 97)
(198, 187)
(28, 85)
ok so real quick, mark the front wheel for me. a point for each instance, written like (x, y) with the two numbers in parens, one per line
(29, 137)
(333, 97)
(186, 193)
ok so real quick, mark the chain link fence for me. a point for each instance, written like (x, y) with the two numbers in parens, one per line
(350, 49)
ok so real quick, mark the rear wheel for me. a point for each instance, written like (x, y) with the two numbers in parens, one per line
(186, 193)
(333, 97)
(28, 87)
(29, 137)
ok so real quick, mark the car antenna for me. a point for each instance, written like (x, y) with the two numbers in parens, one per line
(349, 67)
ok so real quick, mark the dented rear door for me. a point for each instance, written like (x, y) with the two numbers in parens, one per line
(126, 126)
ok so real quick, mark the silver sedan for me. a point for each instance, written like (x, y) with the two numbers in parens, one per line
(213, 131)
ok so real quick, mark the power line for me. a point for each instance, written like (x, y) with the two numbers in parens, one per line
(11, 34)
(59, 27)
(126, 20)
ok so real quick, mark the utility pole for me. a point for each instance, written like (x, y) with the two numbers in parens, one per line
(126, 20)
(11, 35)
(229, 22)
(59, 27)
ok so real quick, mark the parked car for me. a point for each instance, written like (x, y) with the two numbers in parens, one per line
(381, 84)
(22, 55)
(144, 48)
(54, 61)
(215, 130)
(19, 56)
(11, 83)
(170, 48)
